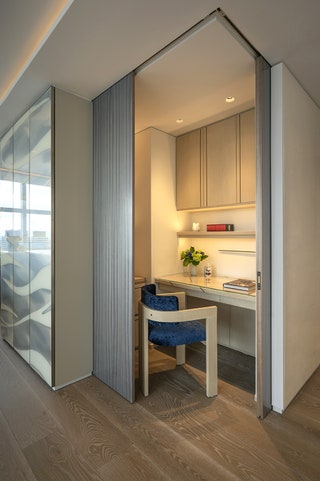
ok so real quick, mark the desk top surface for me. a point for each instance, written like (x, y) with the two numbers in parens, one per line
(214, 283)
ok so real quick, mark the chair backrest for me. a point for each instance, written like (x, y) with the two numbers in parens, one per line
(159, 303)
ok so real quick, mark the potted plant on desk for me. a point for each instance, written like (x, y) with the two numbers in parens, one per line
(192, 257)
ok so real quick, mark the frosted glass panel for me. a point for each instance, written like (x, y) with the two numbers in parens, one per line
(19, 238)
(6, 223)
(39, 227)
(25, 232)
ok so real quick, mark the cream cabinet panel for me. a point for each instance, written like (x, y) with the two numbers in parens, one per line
(188, 157)
(242, 330)
(248, 157)
(222, 163)
(73, 239)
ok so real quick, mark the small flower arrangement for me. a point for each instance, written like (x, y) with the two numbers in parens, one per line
(191, 256)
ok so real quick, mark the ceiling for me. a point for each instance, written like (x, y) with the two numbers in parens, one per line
(84, 47)
(187, 86)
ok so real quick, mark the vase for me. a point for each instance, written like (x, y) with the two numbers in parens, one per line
(193, 270)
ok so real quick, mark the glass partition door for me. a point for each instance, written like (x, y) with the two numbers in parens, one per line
(25, 233)
(39, 227)
(6, 224)
(18, 237)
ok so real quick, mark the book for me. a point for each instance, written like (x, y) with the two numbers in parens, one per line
(240, 284)
(220, 227)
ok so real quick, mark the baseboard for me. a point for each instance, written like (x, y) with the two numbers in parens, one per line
(56, 388)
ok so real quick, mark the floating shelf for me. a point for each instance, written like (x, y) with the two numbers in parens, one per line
(233, 233)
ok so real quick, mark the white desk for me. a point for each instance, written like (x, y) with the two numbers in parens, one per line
(211, 289)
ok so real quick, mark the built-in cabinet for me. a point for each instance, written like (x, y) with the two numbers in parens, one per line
(189, 171)
(221, 180)
(216, 164)
(247, 156)
(46, 237)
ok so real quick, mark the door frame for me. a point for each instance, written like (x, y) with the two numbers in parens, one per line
(263, 208)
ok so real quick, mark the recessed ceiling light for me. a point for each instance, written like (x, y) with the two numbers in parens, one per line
(230, 99)
(179, 121)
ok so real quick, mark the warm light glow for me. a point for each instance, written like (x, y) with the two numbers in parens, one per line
(43, 36)
(233, 207)
(230, 99)
(179, 121)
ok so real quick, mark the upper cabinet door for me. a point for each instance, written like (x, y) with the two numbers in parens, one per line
(216, 165)
(189, 170)
(248, 157)
(222, 163)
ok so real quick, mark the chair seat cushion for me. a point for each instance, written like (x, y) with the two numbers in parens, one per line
(176, 333)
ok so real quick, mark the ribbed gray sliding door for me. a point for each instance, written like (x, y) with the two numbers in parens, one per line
(113, 237)
(263, 240)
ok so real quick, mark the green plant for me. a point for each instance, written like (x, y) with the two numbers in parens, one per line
(192, 256)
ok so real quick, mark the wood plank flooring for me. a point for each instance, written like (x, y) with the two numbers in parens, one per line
(88, 432)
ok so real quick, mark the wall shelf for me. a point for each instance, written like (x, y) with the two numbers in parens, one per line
(234, 233)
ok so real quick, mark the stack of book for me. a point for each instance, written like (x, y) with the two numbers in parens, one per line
(241, 285)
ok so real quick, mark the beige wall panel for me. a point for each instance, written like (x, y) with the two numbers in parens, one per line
(73, 238)
(296, 197)
(301, 181)
(242, 330)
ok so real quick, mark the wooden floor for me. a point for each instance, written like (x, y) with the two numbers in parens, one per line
(86, 432)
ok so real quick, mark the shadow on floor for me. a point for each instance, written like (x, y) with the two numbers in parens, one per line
(234, 367)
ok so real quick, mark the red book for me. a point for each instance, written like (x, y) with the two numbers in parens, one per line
(220, 227)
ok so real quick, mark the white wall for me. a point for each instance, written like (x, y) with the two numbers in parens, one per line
(165, 219)
(296, 260)
(156, 218)
(142, 205)
(226, 263)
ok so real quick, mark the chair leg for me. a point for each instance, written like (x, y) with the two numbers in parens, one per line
(180, 354)
(144, 350)
(145, 369)
(211, 358)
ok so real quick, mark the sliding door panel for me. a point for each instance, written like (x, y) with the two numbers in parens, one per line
(113, 238)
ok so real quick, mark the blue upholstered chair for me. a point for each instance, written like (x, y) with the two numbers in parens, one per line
(166, 322)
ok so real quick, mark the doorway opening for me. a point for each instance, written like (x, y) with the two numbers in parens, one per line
(206, 76)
